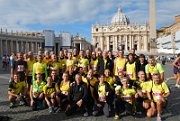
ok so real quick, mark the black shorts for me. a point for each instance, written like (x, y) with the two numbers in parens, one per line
(176, 70)
(61, 96)
(29, 80)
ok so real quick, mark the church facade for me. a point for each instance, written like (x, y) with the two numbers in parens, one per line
(121, 34)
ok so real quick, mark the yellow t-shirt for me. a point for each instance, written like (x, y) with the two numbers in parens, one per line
(47, 60)
(131, 70)
(120, 64)
(102, 93)
(39, 67)
(30, 66)
(154, 69)
(92, 83)
(69, 62)
(144, 87)
(93, 65)
(61, 62)
(158, 90)
(75, 58)
(128, 94)
(109, 80)
(55, 65)
(48, 90)
(65, 88)
(83, 62)
(17, 88)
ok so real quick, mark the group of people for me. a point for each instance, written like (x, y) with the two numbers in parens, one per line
(96, 83)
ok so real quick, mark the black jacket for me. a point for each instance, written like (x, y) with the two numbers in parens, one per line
(101, 68)
(78, 92)
(107, 88)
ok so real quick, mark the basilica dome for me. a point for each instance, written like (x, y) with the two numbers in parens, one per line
(120, 18)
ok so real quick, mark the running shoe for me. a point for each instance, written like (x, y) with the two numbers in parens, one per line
(51, 110)
(21, 103)
(11, 105)
(159, 118)
(116, 117)
(177, 85)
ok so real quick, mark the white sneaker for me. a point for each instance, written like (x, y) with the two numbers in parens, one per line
(177, 85)
(159, 118)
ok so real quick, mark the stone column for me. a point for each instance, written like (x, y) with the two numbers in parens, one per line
(36, 47)
(130, 42)
(139, 43)
(115, 43)
(107, 40)
(126, 43)
(11, 46)
(17, 47)
(120, 41)
(101, 43)
(27, 46)
(6, 46)
(94, 41)
(145, 43)
(1, 54)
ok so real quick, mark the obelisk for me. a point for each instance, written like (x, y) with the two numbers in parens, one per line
(152, 19)
(152, 24)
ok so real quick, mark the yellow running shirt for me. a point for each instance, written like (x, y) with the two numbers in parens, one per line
(30, 66)
(93, 65)
(120, 64)
(83, 62)
(158, 90)
(131, 70)
(69, 62)
(92, 83)
(39, 68)
(65, 88)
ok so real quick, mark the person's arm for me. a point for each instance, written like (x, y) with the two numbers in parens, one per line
(12, 70)
(161, 71)
(147, 72)
(45, 70)
(33, 73)
(31, 93)
(12, 94)
(175, 62)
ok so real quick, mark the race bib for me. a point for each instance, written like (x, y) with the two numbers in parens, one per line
(102, 98)
(20, 68)
(130, 74)
(158, 95)
(127, 98)
(144, 93)
(119, 69)
(94, 68)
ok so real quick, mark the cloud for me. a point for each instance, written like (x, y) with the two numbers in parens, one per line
(20, 14)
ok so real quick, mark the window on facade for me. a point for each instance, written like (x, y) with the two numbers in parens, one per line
(135, 46)
(123, 47)
(96, 29)
(111, 47)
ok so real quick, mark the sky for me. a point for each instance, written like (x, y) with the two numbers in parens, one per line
(78, 16)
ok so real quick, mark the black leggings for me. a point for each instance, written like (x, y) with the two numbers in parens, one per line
(121, 105)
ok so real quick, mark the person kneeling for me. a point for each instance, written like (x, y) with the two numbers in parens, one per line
(160, 92)
(124, 100)
(36, 93)
(62, 92)
(49, 92)
(77, 98)
(17, 91)
(102, 93)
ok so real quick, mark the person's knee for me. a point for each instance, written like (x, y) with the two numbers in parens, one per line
(151, 112)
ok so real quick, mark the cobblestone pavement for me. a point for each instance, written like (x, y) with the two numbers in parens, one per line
(171, 113)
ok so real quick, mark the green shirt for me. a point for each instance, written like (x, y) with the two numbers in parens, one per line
(38, 88)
